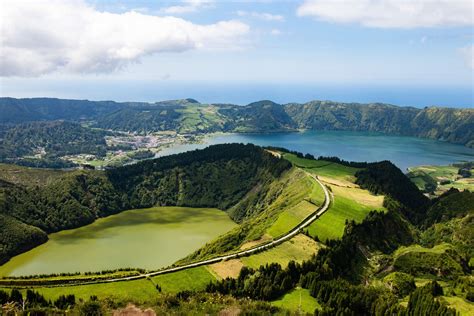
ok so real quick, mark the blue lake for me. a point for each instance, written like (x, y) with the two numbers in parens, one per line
(355, 146)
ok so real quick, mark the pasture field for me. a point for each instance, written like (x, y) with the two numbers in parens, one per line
(290, 218)
(196, 118)
(137, 291)
(349, 202)
(299, 248)
(298, 300)
(438, 249)
(463, 307)
(192, 279)
(331, 224)
(441, 177)
(311, 196)
(323, 168)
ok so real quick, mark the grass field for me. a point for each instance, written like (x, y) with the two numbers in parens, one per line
(323, 168)
(131, 291)
(198, 118)
(298, 300)
(137, 291)
(438, 249)
(291, 218)
(28, 176)
(350, 202)
(191, 279)
(299, 248)
(331, 224)
(463, 307)
(423, 176)
(309, 196)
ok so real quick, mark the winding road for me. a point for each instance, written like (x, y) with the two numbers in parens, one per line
(295, 231)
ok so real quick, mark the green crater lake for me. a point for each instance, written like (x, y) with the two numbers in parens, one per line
(145, 238)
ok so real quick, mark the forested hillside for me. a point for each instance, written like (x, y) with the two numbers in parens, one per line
(188, 116)
(51, 139)
(217, 176)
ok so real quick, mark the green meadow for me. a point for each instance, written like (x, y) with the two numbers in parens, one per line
(298, 301)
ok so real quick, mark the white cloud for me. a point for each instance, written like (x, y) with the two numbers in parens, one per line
(275, 32)
(188, 6)
(392, 13)
(262, 16)
(40, 37)
(468, 54)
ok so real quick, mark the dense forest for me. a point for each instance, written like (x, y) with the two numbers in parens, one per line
(452, 125)
(51, 139)
(217, 176)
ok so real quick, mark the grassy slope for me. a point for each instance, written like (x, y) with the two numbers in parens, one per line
(193, 279)
(28, 176)
(464, 307)
(350, 202)
(298, 300)
(199, 118)
(298, 249)
(424, 174)
(331, 224)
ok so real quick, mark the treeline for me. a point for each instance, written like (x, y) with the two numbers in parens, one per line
(385, 178)
(339, 297)
(453, 203)
(268, 282)
(33, 303)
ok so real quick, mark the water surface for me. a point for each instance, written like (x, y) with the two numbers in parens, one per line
(355, 146)
(147, 238)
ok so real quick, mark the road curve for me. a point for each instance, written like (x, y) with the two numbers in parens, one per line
(304, 223)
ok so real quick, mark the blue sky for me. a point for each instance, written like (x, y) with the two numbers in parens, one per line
(80, 48)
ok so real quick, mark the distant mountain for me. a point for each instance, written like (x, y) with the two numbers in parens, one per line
(189, 116)
(452, 125)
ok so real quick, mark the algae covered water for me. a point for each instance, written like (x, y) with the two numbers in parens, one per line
(146, 238)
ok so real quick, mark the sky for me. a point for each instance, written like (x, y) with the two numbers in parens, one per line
(406, 52)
